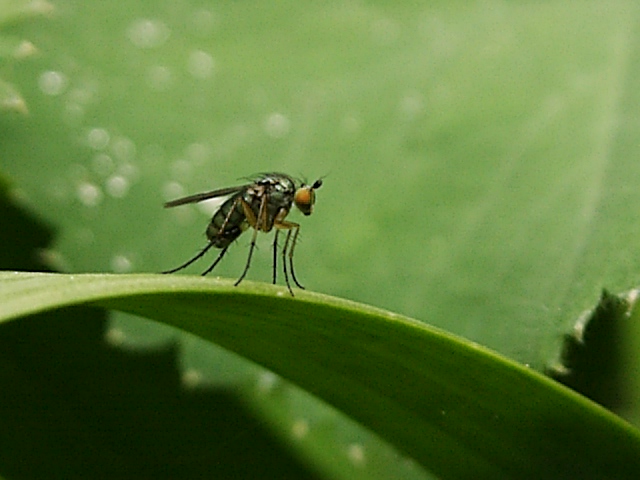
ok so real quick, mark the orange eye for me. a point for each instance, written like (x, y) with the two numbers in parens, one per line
(304, 199)
(303, 196)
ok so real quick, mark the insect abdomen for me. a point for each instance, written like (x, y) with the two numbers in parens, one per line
(227, 224)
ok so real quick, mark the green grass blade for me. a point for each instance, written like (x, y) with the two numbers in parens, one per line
(457, 408)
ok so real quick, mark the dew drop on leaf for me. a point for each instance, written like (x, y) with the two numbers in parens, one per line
(200, 64)
(121, 264)
(148, 33)
(52, 82)
(89, 194)
(117, 186)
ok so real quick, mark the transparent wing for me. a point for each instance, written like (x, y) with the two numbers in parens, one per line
(212, 205)
(199, 197)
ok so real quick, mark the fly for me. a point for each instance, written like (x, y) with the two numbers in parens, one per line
(262, 205)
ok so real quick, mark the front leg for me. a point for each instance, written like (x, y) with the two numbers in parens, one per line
(292, 228)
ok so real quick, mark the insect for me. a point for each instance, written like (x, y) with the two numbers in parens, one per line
(262, 205)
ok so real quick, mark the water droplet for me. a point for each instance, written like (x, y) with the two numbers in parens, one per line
(191, 378)
(102, 164)
(98, 138)
(198, 152)
(204, 22)
(300, 429)
(54, 259)
(40, 7)
(85, 93)
(114, 336)
(89, 194)
(121, 264)
(24, 50)
(52, 83)
(73, 113)
(14, 102)
(128, 170)
(200, 64)
(355, 452)
(267, 382)
(123, 148)
(77, 100)
(277, 125)
(147, 33)
(117, 186)
(159, 78)
(172, 190)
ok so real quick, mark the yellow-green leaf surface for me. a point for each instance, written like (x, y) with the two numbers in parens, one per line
(457, 408)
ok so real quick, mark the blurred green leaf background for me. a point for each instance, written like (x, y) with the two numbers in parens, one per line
(480, 166)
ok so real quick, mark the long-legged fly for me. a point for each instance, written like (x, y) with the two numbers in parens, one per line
(262, 205)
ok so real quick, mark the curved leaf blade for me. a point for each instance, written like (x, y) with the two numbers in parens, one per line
(457, 408)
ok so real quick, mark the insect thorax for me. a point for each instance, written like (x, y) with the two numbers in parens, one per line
(276, 191)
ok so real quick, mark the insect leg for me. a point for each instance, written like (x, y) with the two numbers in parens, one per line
(213, 265)
(257, 224)
(189, 262)
(284, 262)
(246, 267)
(293, 246)
(290, 226)
(275, 257)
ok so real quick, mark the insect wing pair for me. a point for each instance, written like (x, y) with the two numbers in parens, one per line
(261, 205)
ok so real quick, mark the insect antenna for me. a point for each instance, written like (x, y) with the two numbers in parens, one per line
(189, 262)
